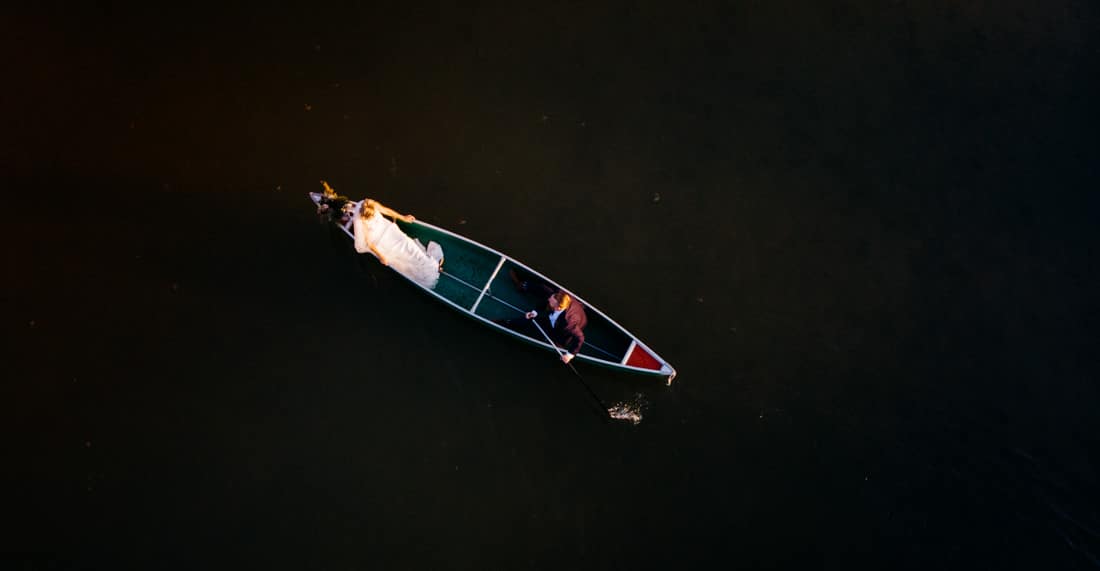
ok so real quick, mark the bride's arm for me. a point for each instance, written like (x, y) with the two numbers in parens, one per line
(381, 258)
(395, 214)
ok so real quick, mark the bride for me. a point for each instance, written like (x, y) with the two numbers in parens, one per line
(375, 234)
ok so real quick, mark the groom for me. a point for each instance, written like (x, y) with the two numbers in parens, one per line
(563, 318)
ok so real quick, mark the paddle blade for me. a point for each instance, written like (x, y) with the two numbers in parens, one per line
(630, 410)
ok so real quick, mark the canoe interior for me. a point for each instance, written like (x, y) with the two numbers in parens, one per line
(473, 264)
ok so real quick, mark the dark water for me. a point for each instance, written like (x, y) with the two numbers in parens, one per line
(862, 232)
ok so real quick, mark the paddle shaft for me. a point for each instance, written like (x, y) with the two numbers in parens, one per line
(561, 352)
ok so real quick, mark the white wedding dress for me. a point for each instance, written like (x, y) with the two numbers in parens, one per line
(402, 253)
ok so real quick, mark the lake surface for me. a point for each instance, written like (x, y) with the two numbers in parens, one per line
(863, 233)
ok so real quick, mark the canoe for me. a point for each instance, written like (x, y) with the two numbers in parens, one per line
(475, 281)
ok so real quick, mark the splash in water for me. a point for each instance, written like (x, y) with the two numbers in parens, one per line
(629, 410)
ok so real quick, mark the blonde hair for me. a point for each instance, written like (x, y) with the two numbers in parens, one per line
(564, 299)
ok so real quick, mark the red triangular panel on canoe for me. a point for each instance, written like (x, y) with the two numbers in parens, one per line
(643, 359)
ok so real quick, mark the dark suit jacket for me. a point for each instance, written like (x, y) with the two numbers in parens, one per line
(568, 333)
